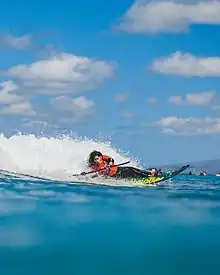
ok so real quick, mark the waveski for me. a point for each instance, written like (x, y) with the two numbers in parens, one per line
(146, 180)
(164, 176)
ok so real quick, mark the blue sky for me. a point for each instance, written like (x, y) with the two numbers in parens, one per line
(144, 74)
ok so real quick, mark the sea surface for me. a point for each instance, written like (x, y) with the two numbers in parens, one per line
(56, 226)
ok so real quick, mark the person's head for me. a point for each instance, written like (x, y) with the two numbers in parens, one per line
(95, 157)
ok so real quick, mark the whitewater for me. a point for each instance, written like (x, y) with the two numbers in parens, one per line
(55, 226)
(54, 158)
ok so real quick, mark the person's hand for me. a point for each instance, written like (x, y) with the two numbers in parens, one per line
(111, 164)
(107, 169)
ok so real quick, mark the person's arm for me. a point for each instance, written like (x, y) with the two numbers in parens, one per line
(109, 161)
(92, 168)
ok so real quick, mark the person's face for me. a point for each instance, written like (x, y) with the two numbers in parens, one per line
(97, 159)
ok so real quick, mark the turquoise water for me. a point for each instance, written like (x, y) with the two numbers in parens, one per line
(57, 228)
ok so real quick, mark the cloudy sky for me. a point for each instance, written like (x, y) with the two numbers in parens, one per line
(142, 74)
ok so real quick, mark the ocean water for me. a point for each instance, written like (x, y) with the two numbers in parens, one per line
(56, 226)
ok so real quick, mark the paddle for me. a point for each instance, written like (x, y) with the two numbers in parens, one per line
(90, 172)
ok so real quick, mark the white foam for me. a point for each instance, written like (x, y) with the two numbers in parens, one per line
(56, 158)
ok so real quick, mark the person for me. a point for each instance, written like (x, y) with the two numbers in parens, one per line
(104, 165)
(98, 161)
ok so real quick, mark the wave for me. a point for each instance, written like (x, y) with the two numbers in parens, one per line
(53, 157)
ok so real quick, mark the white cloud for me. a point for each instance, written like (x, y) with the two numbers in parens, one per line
(121, 97)
(8, 86)
(176, 100)
(169, 16)
(200, 99)
(152, 100)
(203, 99)
(17, 104)
(23, 108)
(79, 106)
(189, 126)
(185, 64)
(83, 103)
(33, 124)
(63, 73)
(128, 114)
(6, 95)
(16, 42)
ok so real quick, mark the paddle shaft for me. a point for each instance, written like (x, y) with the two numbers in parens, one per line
(90, 172)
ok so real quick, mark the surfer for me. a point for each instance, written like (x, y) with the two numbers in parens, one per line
(99, 161)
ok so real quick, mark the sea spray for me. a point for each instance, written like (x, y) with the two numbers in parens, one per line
(52, 157)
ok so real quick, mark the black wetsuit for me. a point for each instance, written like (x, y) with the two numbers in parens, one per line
(131, 172)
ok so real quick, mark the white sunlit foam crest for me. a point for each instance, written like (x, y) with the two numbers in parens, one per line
(56, 158)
